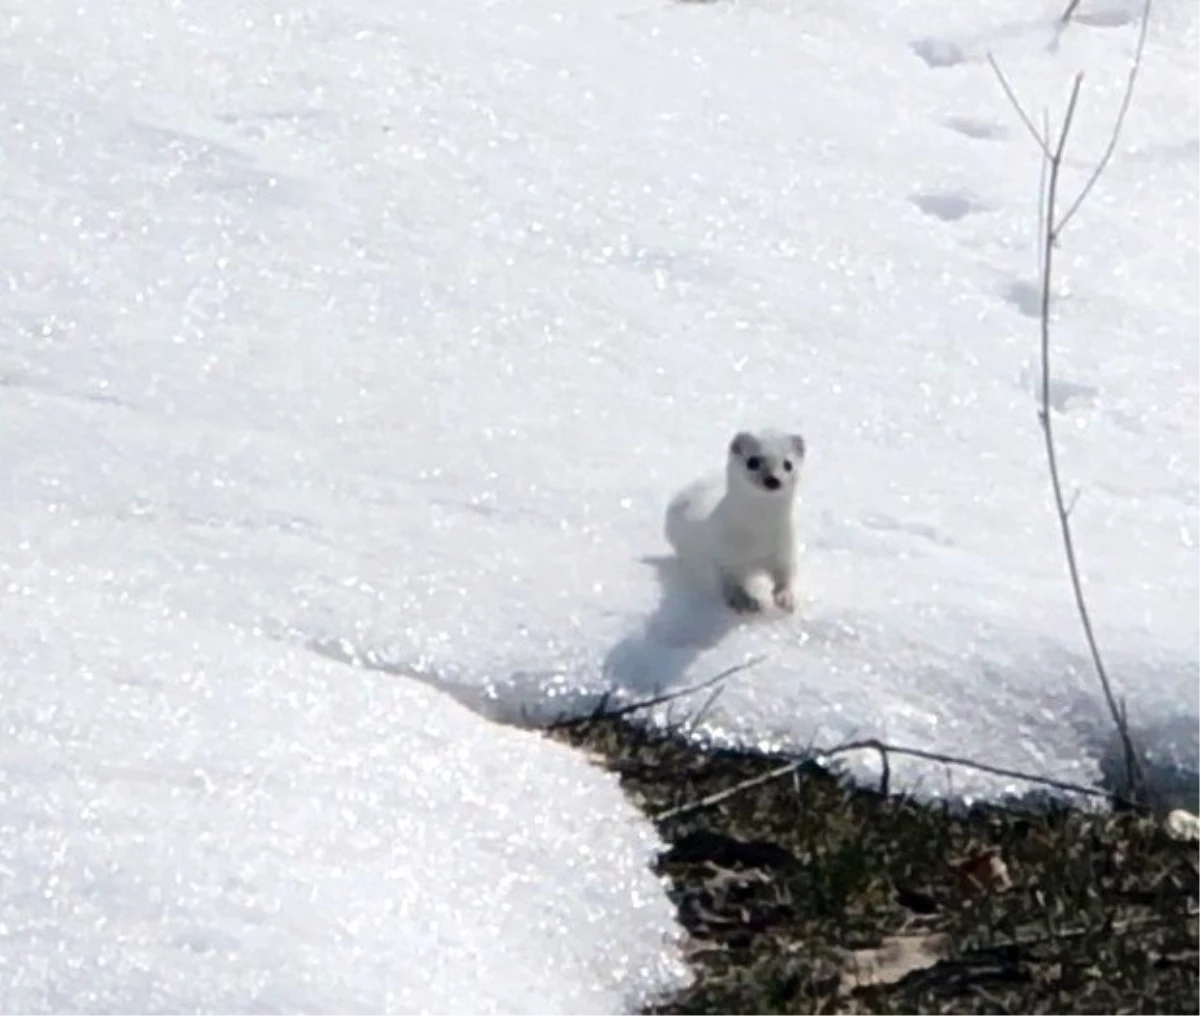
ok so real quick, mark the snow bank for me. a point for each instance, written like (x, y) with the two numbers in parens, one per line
(341, 321)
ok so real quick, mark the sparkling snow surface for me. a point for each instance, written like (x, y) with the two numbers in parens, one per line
(394, 326)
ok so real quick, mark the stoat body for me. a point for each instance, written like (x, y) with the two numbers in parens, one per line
(740, 534)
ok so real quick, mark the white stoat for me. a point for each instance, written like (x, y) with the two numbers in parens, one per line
(743, 537)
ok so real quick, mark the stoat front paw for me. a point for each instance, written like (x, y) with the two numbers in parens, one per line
(784, 594)
(785, 598)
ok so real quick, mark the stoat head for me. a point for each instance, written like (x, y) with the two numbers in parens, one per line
(765, 464)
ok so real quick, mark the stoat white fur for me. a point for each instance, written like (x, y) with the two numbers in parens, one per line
(742, 537)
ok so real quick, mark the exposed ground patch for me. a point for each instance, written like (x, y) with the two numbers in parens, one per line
(800, 892)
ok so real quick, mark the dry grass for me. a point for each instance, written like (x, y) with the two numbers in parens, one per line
(786, 887)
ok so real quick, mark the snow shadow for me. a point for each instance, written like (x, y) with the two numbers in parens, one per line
(685, 624)
(528, 699)
(1164, 724)
(1167, 746)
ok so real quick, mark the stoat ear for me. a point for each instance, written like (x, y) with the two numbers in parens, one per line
(797, 443)
(743, 444)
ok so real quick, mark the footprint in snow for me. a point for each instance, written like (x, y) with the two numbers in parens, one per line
(938, 53)
(1116, 16)
(1025, 297)
(977, 130)
(949, 206)
(1065, 396)
(906, 527)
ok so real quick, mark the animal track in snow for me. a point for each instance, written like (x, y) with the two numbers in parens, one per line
(939, 52)
(1065, 396)
(921, 530)
(1025, 297)
(979, 130)
(1108, 17)
(948, 206)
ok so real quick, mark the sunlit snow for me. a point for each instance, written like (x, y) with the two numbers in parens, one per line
(393, 327)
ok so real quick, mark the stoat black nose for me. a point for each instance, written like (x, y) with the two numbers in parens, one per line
(772, 482)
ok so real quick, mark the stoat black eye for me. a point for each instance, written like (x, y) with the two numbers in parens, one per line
(787, 465)
(754, 463)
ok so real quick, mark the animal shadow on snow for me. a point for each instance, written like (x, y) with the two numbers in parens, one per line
(652, 658)
(686, 623)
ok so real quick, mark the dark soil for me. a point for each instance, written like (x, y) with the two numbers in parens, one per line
(798, 892)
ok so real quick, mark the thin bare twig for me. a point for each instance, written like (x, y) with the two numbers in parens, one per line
(1050, 231)
(695, 721)
(602, 712)
(1041, 205)
(965, 763)
(1122, 111)
(1016, 104)
(1065, 19)
(1053, 230)
(712, 800)
(885, 750)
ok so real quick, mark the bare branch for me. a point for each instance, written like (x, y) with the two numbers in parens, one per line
(1050, 230)
(1065, 19)
(1049, 240)
(1041, 207)
(712, 800)
(696, 720)
(1016, 104)
(885, 751)
(1126, 101)
(602, 712)
(966, 763)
